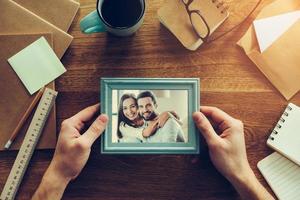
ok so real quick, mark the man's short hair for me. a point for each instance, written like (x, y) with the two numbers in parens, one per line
(147, 94)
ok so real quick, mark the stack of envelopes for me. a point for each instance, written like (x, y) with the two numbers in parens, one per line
(21, 23)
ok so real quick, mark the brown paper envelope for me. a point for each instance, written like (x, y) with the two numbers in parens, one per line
(280, 63)
(60, 13)
(277, 72)
(15, 20)
(14, 97)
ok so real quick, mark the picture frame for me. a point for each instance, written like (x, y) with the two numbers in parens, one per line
(167, 119)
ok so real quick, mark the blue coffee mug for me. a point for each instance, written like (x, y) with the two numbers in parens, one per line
(95, 22)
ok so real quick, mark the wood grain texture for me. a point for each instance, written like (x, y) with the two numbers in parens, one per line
(229, 80)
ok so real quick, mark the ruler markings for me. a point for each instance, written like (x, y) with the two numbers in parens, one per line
(27, 148)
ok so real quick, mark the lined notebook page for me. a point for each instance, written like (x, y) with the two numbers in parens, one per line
(285, 138)
(282, 175)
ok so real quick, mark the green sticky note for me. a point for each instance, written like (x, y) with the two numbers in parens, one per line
(37, 65)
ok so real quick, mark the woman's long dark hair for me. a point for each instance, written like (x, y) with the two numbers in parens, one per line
(121, 116)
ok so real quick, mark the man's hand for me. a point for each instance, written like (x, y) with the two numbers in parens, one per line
(71, 153)
(225, 138)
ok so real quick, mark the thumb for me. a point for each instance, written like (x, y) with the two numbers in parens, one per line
(205, 127)
(95, 130)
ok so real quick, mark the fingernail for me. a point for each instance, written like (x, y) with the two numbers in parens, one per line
(197, 116)
(103, 118)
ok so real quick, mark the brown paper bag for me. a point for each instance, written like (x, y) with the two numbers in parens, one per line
(280, 63)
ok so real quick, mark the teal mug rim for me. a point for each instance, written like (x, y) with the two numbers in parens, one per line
(98, 8)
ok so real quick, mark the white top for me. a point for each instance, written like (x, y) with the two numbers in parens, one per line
(131, 134)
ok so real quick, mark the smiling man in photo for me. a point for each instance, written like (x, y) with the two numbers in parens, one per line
(168, 131)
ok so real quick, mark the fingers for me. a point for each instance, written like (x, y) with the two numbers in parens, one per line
(86, 114)
(95, 130)
(219, 117)
(205, 128)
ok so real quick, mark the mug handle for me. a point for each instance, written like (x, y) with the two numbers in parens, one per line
(92, 23)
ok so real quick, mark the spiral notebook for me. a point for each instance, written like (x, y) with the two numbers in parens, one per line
(174, 16)
(282, 168)
(285, 138)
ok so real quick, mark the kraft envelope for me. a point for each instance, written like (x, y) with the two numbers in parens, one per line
(15, 19)
(60, 13)
(15, 99)
(269, 29)
(280, 62)
(37, 65)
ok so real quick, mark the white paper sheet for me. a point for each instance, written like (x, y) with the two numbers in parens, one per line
(37, 65)
(269, 29)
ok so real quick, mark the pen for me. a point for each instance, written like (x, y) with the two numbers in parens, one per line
(24, 117)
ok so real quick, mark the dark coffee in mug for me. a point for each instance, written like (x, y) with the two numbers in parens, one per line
(122, 13)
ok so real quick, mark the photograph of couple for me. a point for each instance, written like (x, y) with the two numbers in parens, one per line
(149, 116)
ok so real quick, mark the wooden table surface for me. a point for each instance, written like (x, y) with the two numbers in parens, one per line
(229, 80)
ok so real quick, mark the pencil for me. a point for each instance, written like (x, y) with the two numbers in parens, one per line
(24, 118)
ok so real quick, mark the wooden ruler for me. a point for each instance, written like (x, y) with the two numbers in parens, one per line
(27, 148)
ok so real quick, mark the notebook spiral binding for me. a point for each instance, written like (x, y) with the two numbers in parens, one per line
(280, 123)
(220, 4)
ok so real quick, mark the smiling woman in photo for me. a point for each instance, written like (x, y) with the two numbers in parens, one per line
(130, 124)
